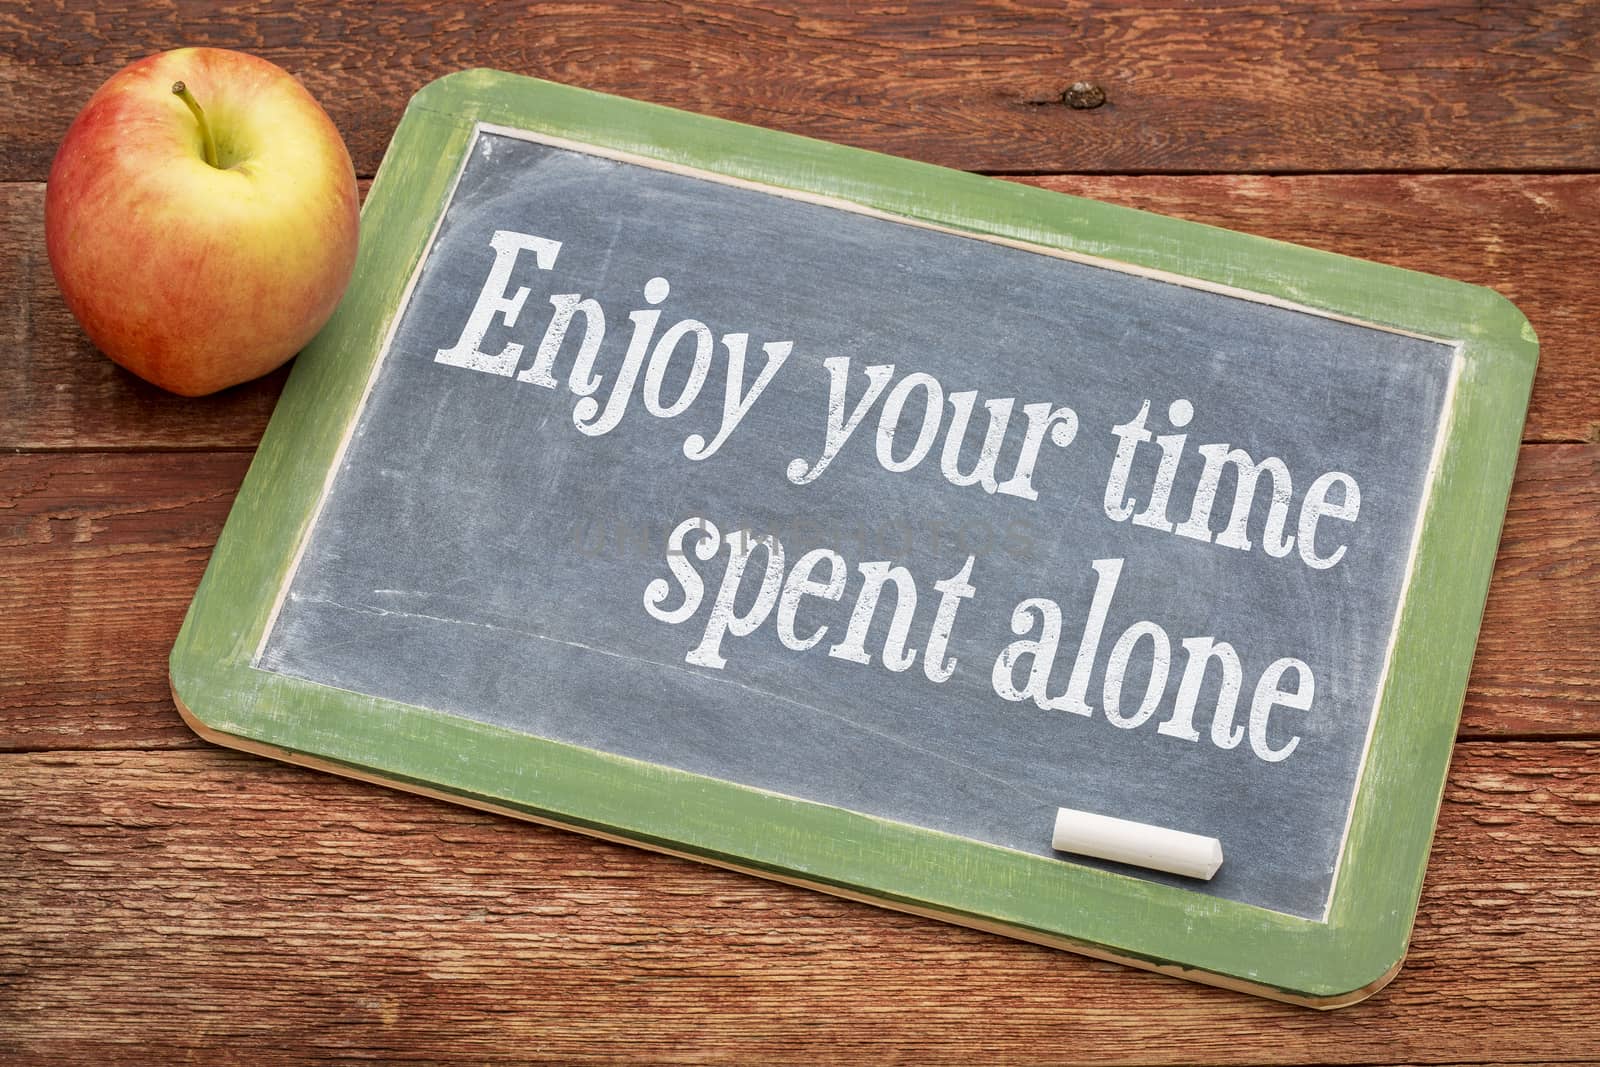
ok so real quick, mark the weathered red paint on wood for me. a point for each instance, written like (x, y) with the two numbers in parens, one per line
(968, 83)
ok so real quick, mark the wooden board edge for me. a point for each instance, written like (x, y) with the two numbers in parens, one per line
(301, 759)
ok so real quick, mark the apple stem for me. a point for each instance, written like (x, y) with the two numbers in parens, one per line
(181, 91)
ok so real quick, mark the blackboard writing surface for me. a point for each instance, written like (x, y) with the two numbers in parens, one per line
(600, 356)
(479, 554)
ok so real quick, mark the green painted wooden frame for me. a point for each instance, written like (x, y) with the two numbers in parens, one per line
(1112, 916)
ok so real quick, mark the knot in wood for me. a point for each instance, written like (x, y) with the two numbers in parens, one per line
(1082, 96)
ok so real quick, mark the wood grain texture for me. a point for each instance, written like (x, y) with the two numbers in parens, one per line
(1532, 238)
(1537, 670)
(104, 552)
(1218, 87)
(154, 895)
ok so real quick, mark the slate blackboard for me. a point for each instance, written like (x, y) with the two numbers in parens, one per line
(456, 544)
(479, 554)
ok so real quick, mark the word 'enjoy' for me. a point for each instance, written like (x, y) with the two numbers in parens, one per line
(587, 415)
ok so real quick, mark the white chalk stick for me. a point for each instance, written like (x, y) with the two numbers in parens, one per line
(1140, 844)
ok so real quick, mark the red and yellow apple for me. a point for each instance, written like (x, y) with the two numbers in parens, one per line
(201, 218)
